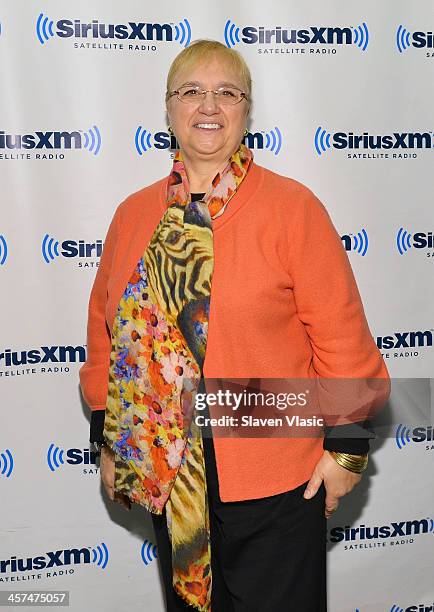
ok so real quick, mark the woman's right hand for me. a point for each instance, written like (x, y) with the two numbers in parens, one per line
(107, 470)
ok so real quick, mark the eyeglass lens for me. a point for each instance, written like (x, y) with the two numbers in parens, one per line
(224, 95)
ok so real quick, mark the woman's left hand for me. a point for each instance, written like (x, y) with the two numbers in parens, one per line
(338, 481)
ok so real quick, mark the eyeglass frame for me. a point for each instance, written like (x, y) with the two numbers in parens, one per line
(203, 92)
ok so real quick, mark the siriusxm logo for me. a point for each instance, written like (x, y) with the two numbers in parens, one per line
(404, 435)
(79, 139)
(409, 339)
(148, 552)
(419, 240)
(69, 248)
(145, 140)
(259, 35)
(6, 463)
(60, 558)
(137, 31)
(46, 354)
(74, 456)
(324, 140)
(356, 242)
(3, 250)
(392, 530)
(413, 608)
(419, 40)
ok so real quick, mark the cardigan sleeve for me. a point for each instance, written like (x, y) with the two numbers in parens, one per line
(330, 307)
(94, 372)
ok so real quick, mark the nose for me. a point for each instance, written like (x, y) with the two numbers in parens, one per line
(208, 104)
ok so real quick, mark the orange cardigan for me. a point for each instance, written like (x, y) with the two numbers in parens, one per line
(284, 304)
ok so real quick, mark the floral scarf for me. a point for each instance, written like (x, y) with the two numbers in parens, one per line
(158, 349)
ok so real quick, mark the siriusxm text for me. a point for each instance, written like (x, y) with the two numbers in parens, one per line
(44, 354)
(393, 530)
(67, 28)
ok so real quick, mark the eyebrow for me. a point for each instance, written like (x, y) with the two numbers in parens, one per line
(221, 84)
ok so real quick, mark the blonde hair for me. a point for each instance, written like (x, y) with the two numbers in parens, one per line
(204, 49)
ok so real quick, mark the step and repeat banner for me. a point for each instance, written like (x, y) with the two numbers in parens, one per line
(343, 102)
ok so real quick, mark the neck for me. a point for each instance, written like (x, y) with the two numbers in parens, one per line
(201, 172)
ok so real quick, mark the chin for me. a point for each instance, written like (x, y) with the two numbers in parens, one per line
(207, 148)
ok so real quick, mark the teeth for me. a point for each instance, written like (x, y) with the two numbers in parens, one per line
(208, 126)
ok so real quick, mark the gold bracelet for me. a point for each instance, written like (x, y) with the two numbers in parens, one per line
(354, 463)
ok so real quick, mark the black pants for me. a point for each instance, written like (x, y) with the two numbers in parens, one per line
(267, 554)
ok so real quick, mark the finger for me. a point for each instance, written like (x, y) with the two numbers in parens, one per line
(331, 503)
(330, 509)
(110, 491)
(312, 486)
(328, 514)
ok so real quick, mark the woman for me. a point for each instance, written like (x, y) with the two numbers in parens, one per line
(220, 260)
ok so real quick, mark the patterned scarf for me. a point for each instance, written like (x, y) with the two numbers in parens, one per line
(158, 349)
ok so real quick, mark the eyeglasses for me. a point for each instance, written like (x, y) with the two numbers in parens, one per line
(224, 96)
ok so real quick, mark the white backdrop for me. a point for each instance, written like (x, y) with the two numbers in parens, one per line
(82, 126)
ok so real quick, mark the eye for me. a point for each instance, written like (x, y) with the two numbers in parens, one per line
(189, 93)
(228, 93)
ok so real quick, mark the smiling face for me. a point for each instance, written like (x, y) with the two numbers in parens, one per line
(206, 130)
